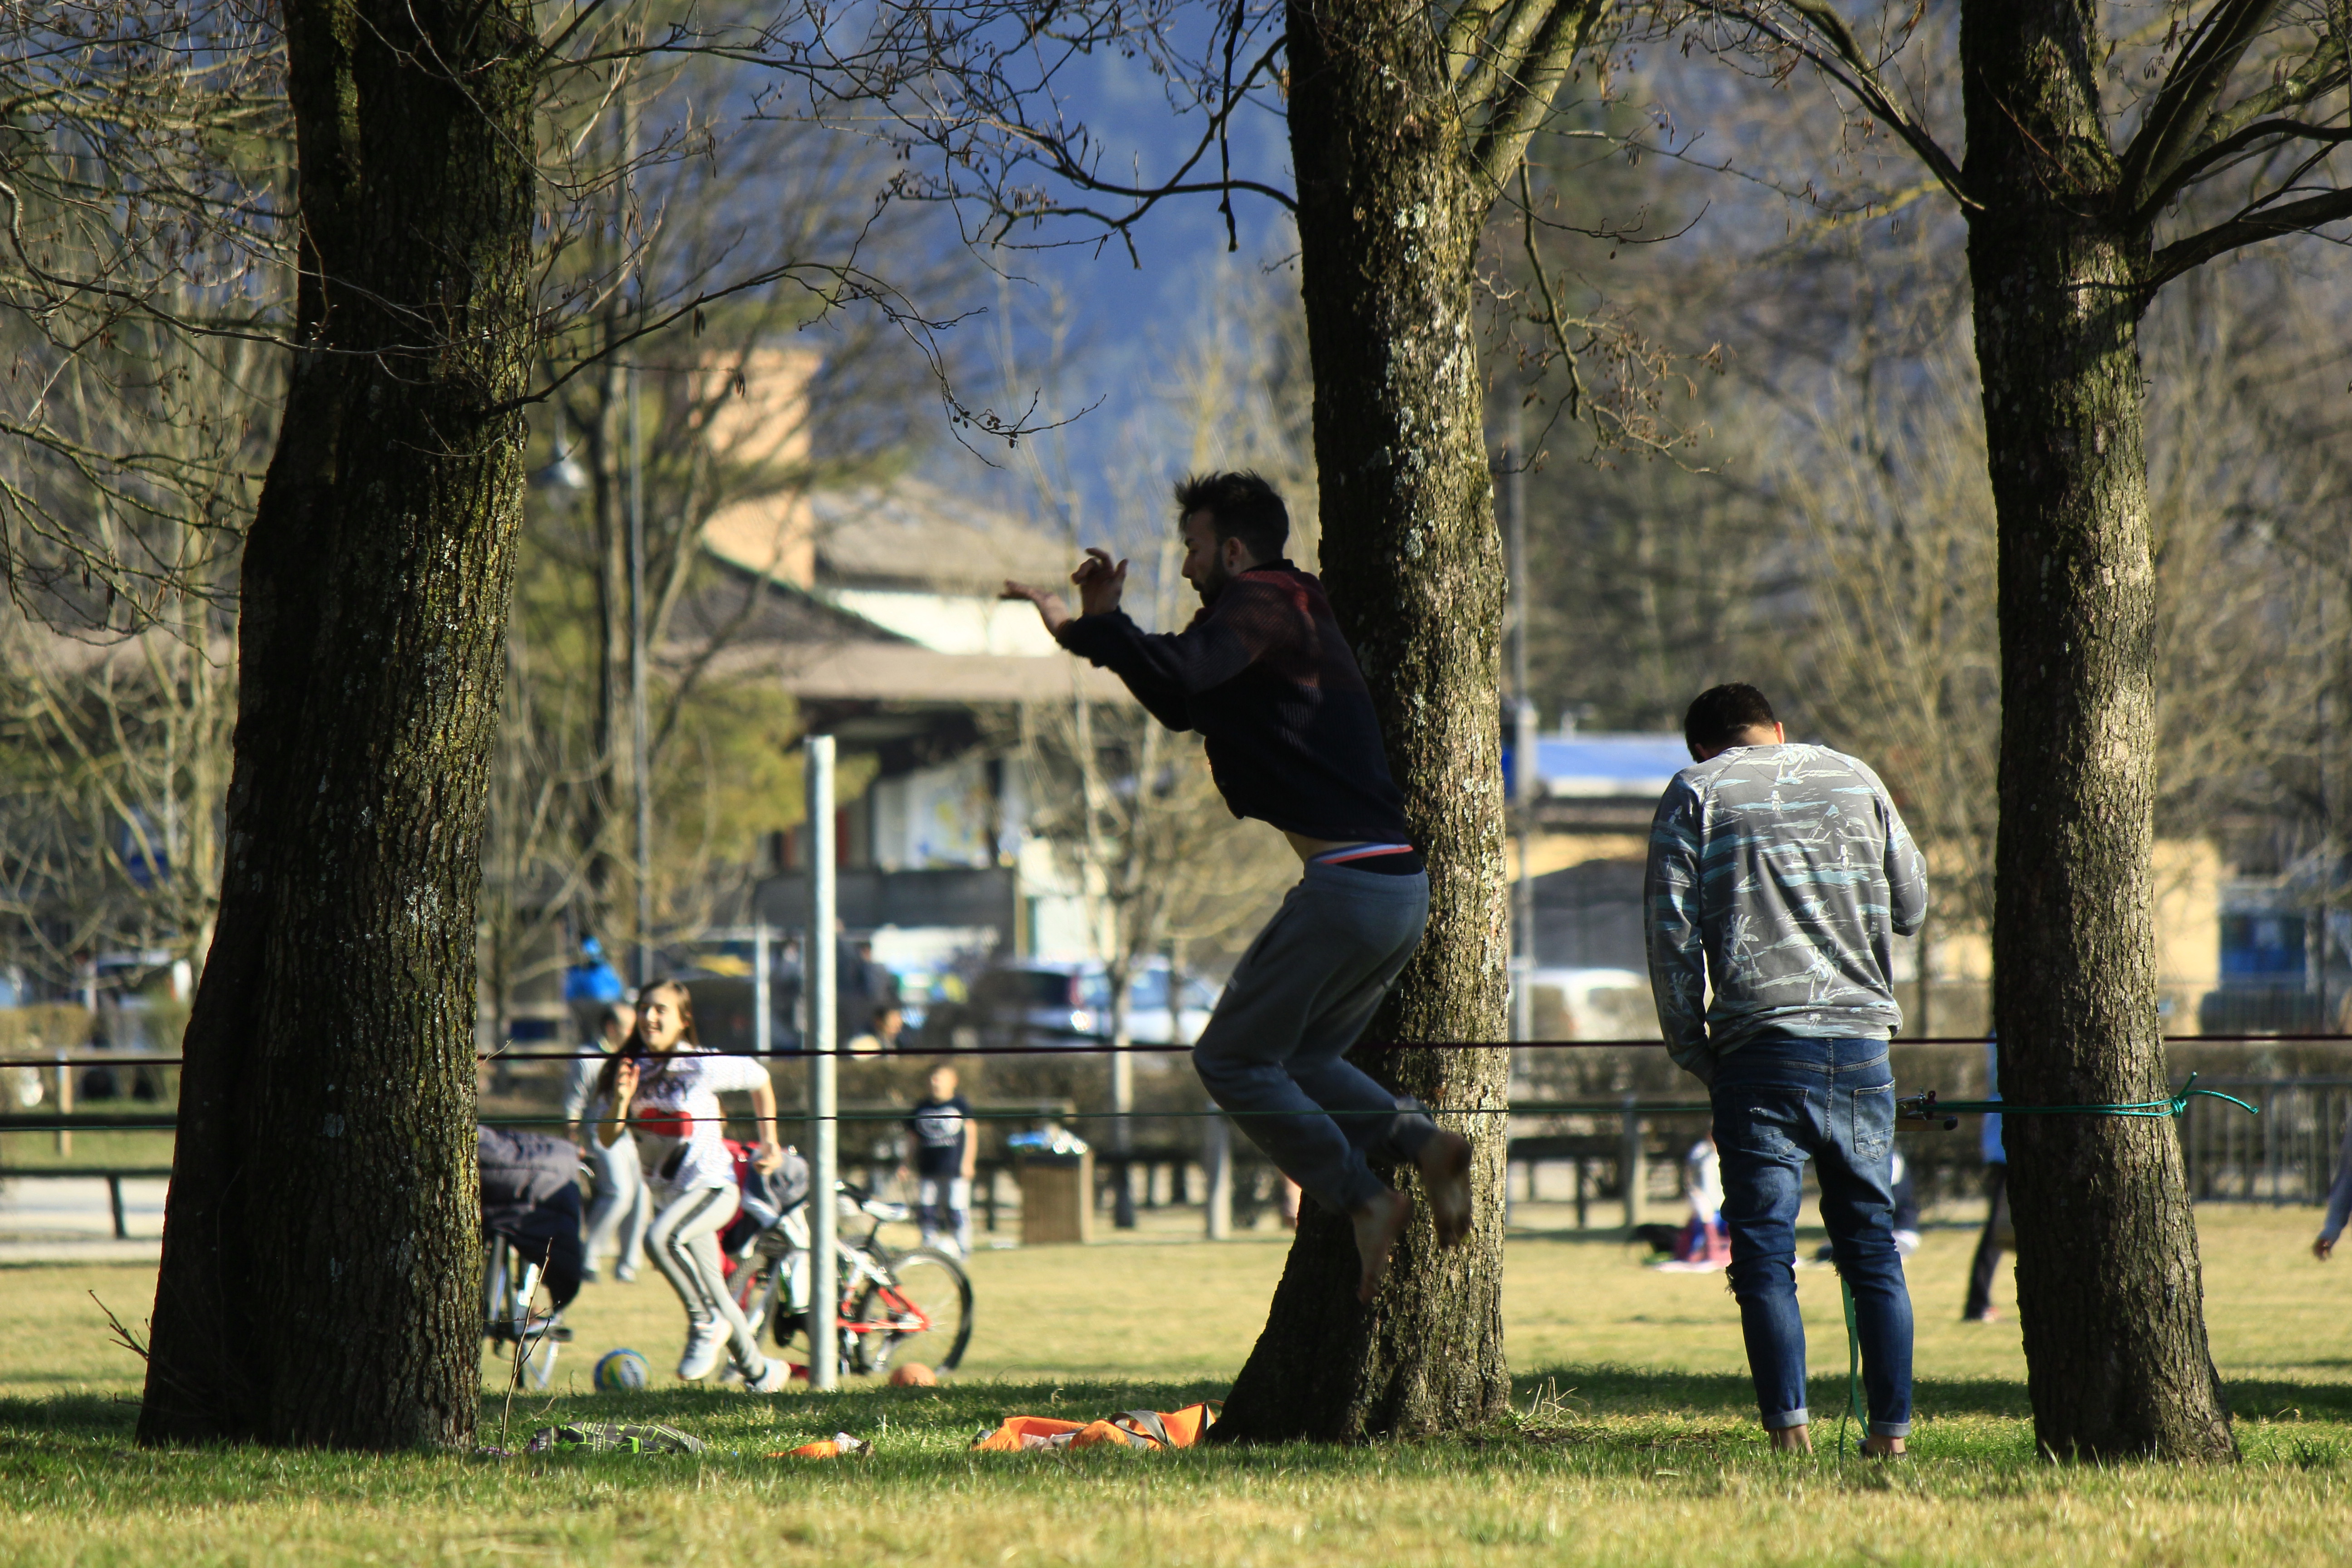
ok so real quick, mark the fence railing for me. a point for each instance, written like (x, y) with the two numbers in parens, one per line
(2285, 1155)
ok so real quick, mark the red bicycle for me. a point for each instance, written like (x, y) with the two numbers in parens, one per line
(895, 1307)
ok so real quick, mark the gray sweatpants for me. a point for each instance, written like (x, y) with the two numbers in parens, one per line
(685, 1247)
(622, 1207)
(1271, 1055)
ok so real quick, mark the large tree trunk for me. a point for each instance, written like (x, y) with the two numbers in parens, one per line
(2109, 1289)
(1389, 217)
(322, 1259)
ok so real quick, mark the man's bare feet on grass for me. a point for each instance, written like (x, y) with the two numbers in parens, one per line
(1445, 1163)
(1875, 1447)
(1792, 1439)
(1378, 1225)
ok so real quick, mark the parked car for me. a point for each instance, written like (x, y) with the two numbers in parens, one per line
(1050, 1002)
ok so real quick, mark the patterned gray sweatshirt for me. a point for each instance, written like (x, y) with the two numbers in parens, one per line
(1782, 875)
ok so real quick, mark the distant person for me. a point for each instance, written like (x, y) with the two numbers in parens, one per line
(1704, 1238)
(1700, 1242)
(662, 1089)
(619, 1207)
(1263, 673)
(864, 983)
(1778, 880)
(591, 984)
(945, 1154)
(2339, 1201)
(1979, 1308)
(882, 1034)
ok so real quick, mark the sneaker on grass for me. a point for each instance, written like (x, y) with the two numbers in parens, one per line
(702, 1342)
(772, 1378)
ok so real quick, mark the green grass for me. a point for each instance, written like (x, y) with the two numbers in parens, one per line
(90, 1150)
(1636, 1442)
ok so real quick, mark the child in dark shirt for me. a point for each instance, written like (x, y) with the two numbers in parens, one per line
(946, 1151)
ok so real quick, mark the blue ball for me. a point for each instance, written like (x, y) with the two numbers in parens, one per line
(619, 1371)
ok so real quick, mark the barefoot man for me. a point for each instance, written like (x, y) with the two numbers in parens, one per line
(1265, 676)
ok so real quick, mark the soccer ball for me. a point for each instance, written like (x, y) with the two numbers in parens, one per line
(620, 1371)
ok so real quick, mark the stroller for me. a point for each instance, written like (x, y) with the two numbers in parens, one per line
(530, 1238)
(893, 1306)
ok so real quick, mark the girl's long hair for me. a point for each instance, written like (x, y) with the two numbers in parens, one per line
(635, 1048)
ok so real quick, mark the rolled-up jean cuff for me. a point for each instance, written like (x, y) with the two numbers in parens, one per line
(1890, 1428)
(1799, 1416)
(1413, 1129)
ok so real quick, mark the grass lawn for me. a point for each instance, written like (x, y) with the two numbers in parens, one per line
(1638, 1443)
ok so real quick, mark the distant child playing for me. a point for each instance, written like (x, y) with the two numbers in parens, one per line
(945, 1154)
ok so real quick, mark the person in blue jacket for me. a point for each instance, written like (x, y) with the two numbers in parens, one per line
(1979, 1308)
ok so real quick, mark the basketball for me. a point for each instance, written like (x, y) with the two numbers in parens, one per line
(620, 1371)
(914, 1375)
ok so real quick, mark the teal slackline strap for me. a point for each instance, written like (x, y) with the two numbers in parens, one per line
(1926, 1107)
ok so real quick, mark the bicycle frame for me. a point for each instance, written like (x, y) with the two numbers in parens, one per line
(861, 1265)
(508, 1286)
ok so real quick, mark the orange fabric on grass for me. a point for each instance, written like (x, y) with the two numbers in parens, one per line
(1132, 1428)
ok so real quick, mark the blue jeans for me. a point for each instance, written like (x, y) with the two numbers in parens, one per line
(1780, 1101)
(1271, 1055)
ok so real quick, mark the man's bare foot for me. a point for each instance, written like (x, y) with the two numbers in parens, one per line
(1882, 1447)
(1792, 1439)
(1378, 1225)
(1445, 1163)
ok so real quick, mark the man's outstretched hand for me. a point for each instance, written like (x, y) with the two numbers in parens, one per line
(1099, 580)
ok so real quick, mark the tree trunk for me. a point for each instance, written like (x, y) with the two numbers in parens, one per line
(322, 1259)
(2109, 1289)
(1389, 217)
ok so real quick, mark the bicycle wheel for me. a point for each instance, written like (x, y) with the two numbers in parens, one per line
(922, 1313)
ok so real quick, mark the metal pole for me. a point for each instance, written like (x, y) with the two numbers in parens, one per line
(825, 1153)
(764, 1021)
(638, 765)
(65, 1102)
(1217, 1175)
(1630, 1164)
(1523, 914)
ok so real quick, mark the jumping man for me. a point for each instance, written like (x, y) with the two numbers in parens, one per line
(1263, 674)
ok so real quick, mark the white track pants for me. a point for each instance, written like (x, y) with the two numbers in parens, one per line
(684, 1242)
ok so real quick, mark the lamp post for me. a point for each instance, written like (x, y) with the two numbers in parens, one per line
(1523, 750)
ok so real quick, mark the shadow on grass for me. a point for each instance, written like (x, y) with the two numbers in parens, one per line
(1635, 1391)
(1613, 1414)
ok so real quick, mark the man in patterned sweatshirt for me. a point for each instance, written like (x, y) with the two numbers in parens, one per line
(1779, 876)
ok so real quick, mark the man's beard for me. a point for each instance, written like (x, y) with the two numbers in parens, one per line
(1212, 581)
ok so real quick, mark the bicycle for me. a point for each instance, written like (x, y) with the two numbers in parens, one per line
(910, 1306)
(510, 1315)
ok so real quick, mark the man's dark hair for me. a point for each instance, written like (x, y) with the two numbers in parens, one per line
(1239, 506)
(1718, 714)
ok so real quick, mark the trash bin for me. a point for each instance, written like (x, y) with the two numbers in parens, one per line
(1057, 1198)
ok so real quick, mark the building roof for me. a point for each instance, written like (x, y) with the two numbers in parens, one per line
(912, 533)
(907, 535)
(907, 675)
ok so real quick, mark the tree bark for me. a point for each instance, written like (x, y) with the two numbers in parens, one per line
(1390, 211)
(2110, 1292)
(322, 1259)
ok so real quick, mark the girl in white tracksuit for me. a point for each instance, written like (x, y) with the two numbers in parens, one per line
(663, 1088)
